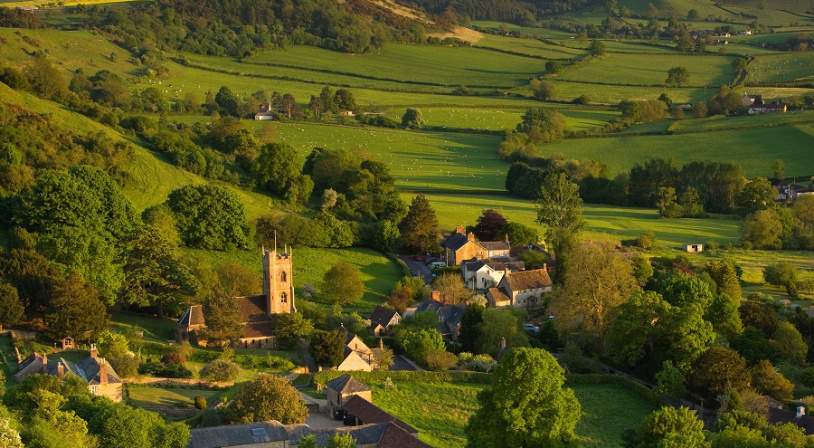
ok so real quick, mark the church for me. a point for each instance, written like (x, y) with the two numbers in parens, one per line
(255, 311)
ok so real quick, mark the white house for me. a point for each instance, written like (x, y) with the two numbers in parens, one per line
(482, 274)
(523, 289)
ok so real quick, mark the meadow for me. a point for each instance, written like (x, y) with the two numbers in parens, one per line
(781, 68)
(439, 406)
(531, 47)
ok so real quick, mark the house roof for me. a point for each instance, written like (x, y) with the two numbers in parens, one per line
(397, 437)
(252, 308)
(193, 316)
(497, 295)
(89, 370)
(449, 316)
(455, 241)
(242, 435)
(507, 265)
(382, 315)
(347, 384)
(381, 435)
(258, 329)
(495, 245)
(525, 280)
(368, 412)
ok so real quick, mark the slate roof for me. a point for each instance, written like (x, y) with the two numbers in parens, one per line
(347, 384)
(449, 316)
(89, 370)
(382, 315)
(367, 412)
(525, 280)
(495, 245)
(240, 435)
(455, 241)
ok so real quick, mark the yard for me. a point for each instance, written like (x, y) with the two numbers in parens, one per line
(173, 403)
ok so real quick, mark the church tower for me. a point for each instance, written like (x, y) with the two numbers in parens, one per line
(278, 282)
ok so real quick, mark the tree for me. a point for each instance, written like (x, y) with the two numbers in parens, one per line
(756, 195)
(327, 347)
(788, 344)
(290, 328)
(33, 276)
(677, 76)
(220, 370)
(277, 168)
(75, 310)
(670, 382)
(783, 274)
(209, 217)
(342, 441)
(418, 344)
(470, 327)
(628, 339)
(11, 308)
(45, 79)
(519, 234)
(160, 219)
(597, 48)
(542, 125)
(452, 289)
(726, 278)
(227, 102)
(724, 316)
(419, 228)
(223, 322)
(718, 371)
(542, 90)
(269, 397)
(386, 236)
(767, 380)
(115, 349)
(763, 230)
(9, 437)
(526, 405)
(670, 427)
(560, 210)
(597, 280)
(490, 226)
(342, 284)
(642, 269)
(154, 276)
(412, 118)
(499, 327)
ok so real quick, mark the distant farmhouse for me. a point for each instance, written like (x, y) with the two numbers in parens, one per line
(102, 380)
(255, 311)
(757, 106)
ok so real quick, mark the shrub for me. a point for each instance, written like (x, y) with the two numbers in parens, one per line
(200, 402)
(220, 370)
(441, 360)
(165, 370)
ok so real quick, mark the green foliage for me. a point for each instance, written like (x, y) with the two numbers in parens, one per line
(542, 125)
(560, 210)
(520, 234)
(788, 344)
(277, 168)
(670, 382)
(500, 326)
(223, 320)
(643, 111)
(290, 328)
(526, 405)
(75, 310)
(419, 228)
(783, 274)
(542, 90)
(327, 347)
(670, 427)
(767, 380)
(209, 217)
(718, 371)
(677, 76)
(419, 344)
(724, 316)
(412, 118)
(758, 194)
(220, 370)
(11, 308)
(342, 284)
(267, 398)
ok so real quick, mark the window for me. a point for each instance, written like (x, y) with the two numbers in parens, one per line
(283, 276)
(283, 297)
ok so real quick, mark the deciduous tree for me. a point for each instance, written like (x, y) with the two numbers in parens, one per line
(342, 284)
(268, 397)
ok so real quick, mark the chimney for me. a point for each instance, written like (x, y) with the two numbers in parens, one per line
(60, 370)
(470, 236)
(93, 352)
(102, 371)
(44, 362)
(461, 230)
(545, 267)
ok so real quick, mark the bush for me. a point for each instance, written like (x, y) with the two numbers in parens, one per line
(200, 402)
(165, 370)
(220, 370)
(173, 358)
(441, 360)
(646, 240)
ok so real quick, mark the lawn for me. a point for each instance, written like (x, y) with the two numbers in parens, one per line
(173, 403)
(651, 69)
(414, 64)
(601, 221)
(439, 406)
(378, 273)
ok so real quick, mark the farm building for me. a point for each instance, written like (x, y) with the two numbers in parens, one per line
(462, 246)
(523, 289)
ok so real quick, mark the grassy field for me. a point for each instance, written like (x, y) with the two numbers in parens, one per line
(651, 69)
(531, 47)
(173, 403)
(378, 273)
(440, 407)
(781, 68)
(460, 66)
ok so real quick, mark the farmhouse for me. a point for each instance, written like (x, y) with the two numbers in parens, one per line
(462, 246)
(520, 289)
(265, 113)
(383, 320)
(102, 380)
(341, 389)
(485, 274)
(255, 311)
(358, 356)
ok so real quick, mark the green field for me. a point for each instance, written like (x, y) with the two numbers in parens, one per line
(438, 65)
(650, 69)
(439, 405)
(173, 403)
(781, 68)
(532, 47)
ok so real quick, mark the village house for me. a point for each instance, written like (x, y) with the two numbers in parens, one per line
(383, 320)
(358, 356)
(523, 289)
(255, 311)
(265, 113)
(449, 316)
(102, 380)
(485, 274)
(462, 246)
(341, 388)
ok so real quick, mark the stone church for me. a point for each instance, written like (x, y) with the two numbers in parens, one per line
(255, 311)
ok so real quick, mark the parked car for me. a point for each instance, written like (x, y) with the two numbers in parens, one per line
(437, 265)
(531, 328)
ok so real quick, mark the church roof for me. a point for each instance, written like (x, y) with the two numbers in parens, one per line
(252, 308)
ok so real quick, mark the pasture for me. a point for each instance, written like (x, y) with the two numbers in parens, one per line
(414, 64)
(781, 68)
(531, 47)
(650, 69)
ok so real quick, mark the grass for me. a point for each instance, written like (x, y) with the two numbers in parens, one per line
(608, 410)
(531, 47)
(378, 273)
(452, 66)
(173, 403)
(600, 221)
(720, 122)
(651, 69)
